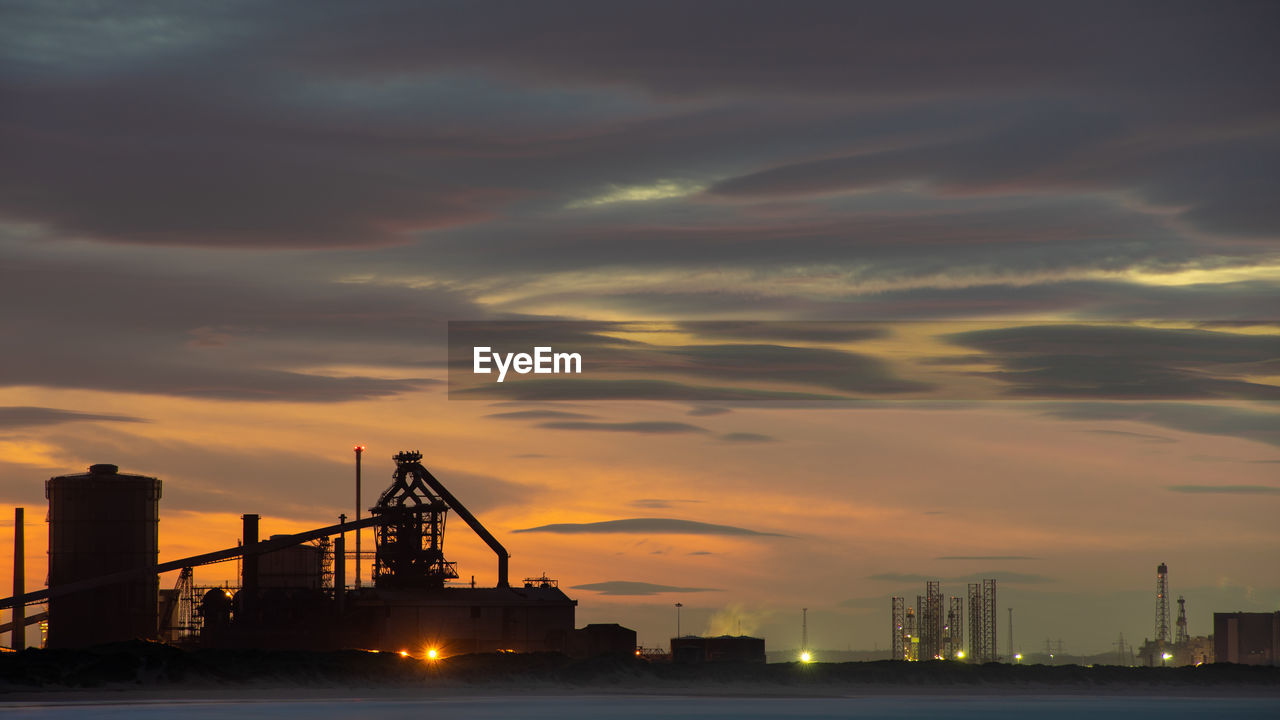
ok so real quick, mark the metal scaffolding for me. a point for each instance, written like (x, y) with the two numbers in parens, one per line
(899, 629)
(1182, 636)
(975, 622)
(912, 638)
(990, 652)
(953, 632)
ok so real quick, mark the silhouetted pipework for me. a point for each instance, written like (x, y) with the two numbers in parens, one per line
(103, 522)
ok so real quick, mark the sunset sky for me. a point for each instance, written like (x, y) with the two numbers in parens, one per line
(232, 236)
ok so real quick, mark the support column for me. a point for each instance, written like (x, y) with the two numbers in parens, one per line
(19, 637)
(249, 572)
(340, 570)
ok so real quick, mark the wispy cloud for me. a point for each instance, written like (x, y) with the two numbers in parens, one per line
(658, 190)
(28, 416)
(630, 587)
(648, 525)
(747, 437)
(643, 427)
(1226, 489)
(986, 557)
(1009, 577)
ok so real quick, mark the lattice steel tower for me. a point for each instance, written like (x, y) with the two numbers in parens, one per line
(955, 628)
(1182, 636)
(1162, 605)
(899, 629)
(990, 651)
(975, 623)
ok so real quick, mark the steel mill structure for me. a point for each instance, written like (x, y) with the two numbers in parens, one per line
(293, 593)
(928, 632)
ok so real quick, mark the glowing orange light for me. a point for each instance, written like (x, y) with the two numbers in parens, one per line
(432, 653)
(404, 653)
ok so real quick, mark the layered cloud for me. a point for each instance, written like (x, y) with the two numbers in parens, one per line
(672, 526)
(633, 588)
(12, 418)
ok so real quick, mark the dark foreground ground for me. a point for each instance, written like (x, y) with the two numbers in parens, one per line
(150, 668)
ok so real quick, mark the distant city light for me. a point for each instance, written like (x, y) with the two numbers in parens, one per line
(959, 654)
(806, 656)
(432, 653)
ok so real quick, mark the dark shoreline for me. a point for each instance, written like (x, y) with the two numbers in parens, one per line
(147, 669)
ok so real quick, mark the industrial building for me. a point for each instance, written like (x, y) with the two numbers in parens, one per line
(603, 639)
(1247, 638)
(103, 540)
(722, 649)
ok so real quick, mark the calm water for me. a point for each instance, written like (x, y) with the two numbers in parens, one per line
(647, 707)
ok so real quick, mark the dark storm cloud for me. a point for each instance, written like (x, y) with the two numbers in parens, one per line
(1226, 489)
(900, 49)
(321, 125)
(17, 417)
(1019, 234)
(644, 368)
(624, 389)
(115, 327)
(804, 332)
(648, 526)
(834, 370)
(1053, 149)
(955, 161)
(1096, 299)
(1249, 423)
(628, 587)
(1118, 362)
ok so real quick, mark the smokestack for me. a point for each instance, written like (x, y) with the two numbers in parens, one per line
(359, 453)
(19, 638)
(249, 569)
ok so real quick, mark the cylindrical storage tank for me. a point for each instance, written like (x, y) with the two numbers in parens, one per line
(102, 522)
(298, 566)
